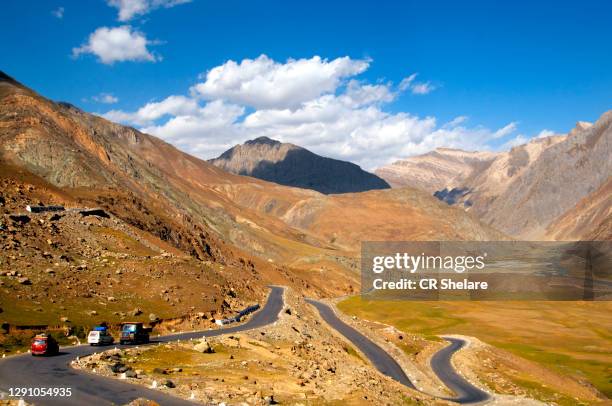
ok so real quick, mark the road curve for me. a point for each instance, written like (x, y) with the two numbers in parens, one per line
(440, 362)
(88, 389)
(379, 357)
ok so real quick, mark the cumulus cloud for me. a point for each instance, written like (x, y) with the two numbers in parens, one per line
(58, 13)
(147, 114)
(129, 9)
(117, 44)
(317, 103)
(106, 98)
(264, 83)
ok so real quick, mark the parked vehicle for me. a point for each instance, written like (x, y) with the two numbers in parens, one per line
(44, 344)
(134, 333)
(100, 336)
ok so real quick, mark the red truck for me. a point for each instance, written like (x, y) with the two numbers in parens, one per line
(134, 333)
(44, 344)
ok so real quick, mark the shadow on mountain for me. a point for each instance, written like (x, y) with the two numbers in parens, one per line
(304, 169)
(451, 196)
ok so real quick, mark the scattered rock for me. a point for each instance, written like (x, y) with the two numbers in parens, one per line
(136, 312)
(204, 347)
(24, 280)
(269, 400)
(168, 384)
(153, 317)
(130, 373)
(119, 368)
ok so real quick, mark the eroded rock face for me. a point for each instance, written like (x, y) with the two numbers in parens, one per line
(435, 170)
(290, 165)
(532, 191)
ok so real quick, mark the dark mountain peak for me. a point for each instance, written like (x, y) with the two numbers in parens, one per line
(263, 141)
(291, 165)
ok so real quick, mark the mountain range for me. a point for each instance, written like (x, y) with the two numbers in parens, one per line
(555, 187)
(249, 230)
(291, 165)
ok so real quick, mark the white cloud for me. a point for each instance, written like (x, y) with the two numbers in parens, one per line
(316, 103)
(264, 83)
(147, 114)
(106, 98)
(506, 130)
(58, 12)
(117, 44)
(358, 94)
(457, 121)
(129, 9)
(514, 142)
(545, 133)
(422, 88)
(206, 133)
(419, 88)
(406, 82)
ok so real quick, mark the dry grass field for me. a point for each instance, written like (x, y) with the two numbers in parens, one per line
(571, 338)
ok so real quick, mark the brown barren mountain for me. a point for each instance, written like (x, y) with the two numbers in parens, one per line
(529, 191)
(291, 165)
(590, 219)
(435, 170)
(269, 232)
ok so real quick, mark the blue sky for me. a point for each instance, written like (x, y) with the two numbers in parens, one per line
(531, 65)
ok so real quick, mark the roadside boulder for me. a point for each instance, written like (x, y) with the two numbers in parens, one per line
(153, 317)
(204, 346)
(168, 384)
(136, 312)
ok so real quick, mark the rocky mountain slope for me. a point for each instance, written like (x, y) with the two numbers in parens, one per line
(532, 185)
(590, 219)
(435, 170)
(273, 233)
(290, 165)
(522, 192)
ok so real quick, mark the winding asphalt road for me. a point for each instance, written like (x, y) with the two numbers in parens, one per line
(440, 363)
(88, 389)
(379, 357)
